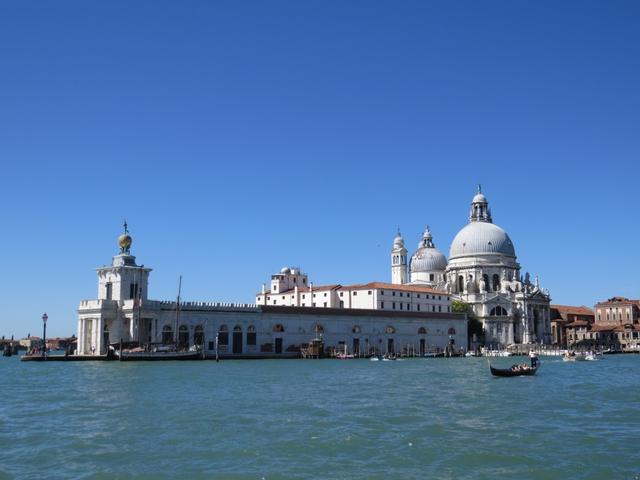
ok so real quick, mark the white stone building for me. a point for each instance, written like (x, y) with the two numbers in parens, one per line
(358, 318)
(482, 271)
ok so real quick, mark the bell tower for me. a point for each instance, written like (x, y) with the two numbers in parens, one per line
(398, 261)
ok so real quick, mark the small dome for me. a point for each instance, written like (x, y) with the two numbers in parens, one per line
(479, 198)
(124, 242)
(478, 238)
(398, 241)
(428, 259)
(285, 270)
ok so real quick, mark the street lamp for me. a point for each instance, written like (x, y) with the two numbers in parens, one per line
(45, 317)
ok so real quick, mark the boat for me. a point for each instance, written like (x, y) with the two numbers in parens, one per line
(133, 355)
(574, 357)
(514, 371)
(161, 352)
(593, 356)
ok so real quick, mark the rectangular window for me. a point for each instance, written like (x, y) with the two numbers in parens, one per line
(382, 305)
(431, 277)
(314, 295)
(393, 293)
(369, 292)
(393, 306)
(355, 293)
(341, 293)
(325, 304)
(341, 304)
(440, 308)
(313, 304)
(418, 295)
(400, 305)
(212, 345)
(109, 291)
(408, 295)
(275, 302)
(400, 293)
(433, 308)
(133, 290)
(418, 307)
(381, 292)
(283, 297)
(303, 295)
(251, 338)
(408, 306)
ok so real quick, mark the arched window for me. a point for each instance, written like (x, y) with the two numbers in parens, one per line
(460, 283)
(183, 336)
(498, 312)
(390, 329)
(251, 335)
(485, 280)
(451, 331)
(167, 335)
(356, 329)
(278, 328)
(422, 331)
(496, 282)
(223, 335)
(198, 335)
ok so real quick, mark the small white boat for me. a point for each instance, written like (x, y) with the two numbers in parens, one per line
(574, 357)
(470, 354)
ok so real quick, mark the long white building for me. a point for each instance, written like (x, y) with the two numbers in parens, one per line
(376, 317)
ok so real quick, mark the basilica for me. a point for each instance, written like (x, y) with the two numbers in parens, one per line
(483, 272)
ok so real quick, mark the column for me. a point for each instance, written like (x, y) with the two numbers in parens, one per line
(99, 336)
(80, 340)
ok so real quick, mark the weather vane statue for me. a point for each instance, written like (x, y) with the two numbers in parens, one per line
(125, 240)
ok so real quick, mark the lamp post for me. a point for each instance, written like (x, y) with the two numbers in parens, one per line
(45, 317)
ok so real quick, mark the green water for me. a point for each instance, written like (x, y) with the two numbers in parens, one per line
(419, 418)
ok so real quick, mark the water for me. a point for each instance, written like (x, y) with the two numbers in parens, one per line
(273, 419)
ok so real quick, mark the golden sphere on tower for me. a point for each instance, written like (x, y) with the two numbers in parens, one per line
(125, 241)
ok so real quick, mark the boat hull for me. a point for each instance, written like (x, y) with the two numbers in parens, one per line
(157, 356)
(507, 372)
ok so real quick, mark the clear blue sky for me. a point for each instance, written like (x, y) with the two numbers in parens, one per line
(238, 137)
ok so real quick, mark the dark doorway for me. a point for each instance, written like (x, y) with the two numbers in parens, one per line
(278, 345)
(356, 346)
(390, 345)
(423, 347)
(237, 340)
(183, 337)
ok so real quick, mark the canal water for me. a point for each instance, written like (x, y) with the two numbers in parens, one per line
(277, 419)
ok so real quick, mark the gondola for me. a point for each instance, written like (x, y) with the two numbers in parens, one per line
(508, 372)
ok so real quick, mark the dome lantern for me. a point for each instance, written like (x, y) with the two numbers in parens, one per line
(480, 211)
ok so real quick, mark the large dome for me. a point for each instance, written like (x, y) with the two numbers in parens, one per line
(479, 238)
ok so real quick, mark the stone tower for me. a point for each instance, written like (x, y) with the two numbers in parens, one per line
(398, 261)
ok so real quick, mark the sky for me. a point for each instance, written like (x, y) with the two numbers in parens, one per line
(240, 137)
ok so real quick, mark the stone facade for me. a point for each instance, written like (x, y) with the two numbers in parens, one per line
(483, 272)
